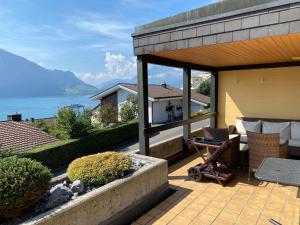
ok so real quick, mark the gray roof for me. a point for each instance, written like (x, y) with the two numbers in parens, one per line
(21, 136)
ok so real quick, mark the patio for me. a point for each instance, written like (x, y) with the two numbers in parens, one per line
(240, 202)
(252, 50)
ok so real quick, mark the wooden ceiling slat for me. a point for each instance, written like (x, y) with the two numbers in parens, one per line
(258, 51)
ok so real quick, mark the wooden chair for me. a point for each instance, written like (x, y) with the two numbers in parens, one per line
(263, 146)
(231, 155)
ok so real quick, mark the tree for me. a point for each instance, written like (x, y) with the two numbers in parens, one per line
(83, 124)
(71, 123)
(204, 87)
(129, 109)
(106, 114)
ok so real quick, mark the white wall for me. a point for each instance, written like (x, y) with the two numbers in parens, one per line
(161, 116)
(196, 107)
(122, 97)
(150, 111)
(159, 110)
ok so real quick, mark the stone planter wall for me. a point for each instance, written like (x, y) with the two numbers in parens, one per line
(115, 203)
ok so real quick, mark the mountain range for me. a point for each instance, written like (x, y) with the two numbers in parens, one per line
(20, 77)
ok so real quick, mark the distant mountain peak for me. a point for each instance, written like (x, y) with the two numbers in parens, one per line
(20, 77)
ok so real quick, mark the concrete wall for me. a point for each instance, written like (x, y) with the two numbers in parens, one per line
(264, 93)
(102, 204)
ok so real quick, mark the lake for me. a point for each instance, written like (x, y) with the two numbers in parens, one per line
(40, 107)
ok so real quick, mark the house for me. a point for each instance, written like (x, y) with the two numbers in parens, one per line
(160, 97)
(251, 48)
(19, 135)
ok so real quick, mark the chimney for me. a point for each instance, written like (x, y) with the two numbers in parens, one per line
(164, 85)
(14, 117)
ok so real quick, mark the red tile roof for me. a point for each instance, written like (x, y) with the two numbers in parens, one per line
(21, 136)
(160, 92)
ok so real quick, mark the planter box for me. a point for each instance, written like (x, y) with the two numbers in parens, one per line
(118, 202)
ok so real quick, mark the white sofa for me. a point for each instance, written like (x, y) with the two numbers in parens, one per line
(288, 130)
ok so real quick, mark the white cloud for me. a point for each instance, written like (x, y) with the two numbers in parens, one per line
(117, 67)
(98, 24)
(107, 47)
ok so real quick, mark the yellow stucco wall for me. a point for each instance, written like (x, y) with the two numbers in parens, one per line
(265, 93)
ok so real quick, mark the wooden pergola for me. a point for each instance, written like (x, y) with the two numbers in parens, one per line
(224, 36)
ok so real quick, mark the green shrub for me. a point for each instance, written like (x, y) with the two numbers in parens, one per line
(22, 184)
(129, 109)
(42, 125)
(106, 114)
(71, 123)
(63, 152)
(99, 169)
(204, 87)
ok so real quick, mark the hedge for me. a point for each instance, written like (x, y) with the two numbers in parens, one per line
(61, 153)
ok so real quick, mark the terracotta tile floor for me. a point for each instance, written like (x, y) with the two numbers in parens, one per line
(240, 202)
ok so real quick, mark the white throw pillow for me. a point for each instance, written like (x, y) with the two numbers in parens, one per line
(284, 129)
(243, 126)
(295, 130)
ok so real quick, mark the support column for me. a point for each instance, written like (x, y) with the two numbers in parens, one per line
(142, 73)
(214, 98)
(186, 104)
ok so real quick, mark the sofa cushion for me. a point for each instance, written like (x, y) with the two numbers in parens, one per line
(295, 130)
(284, 129)
(294, 142)
(231, 136)
(243, 126)
(244, 138)
(243, 147)
(282, 141)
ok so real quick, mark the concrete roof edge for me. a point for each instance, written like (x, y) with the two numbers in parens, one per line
(140, 30)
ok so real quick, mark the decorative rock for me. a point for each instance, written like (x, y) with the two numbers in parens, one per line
(59, 194)
(142, 163)
(77, 186)
(75, 195)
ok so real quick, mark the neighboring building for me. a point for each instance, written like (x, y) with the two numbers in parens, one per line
(160, 96)
(198, 79)
(20, 136)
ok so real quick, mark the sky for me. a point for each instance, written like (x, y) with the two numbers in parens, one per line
(91, 38)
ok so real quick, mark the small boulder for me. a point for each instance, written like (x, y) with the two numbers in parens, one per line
(77, 186)
(59, 194)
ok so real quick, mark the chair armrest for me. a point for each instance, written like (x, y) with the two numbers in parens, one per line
(232, 129)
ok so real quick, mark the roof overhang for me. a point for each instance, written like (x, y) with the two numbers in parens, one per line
(266, 32)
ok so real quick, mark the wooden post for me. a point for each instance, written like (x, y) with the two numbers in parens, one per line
(142, 73)
(186, 104)
(214, 98)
